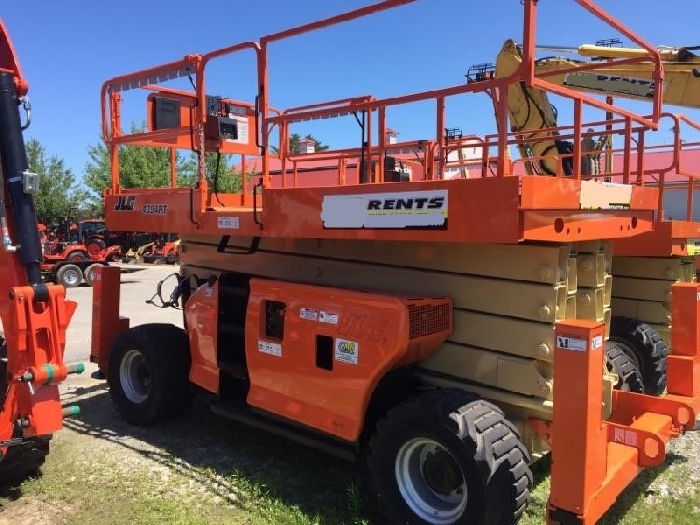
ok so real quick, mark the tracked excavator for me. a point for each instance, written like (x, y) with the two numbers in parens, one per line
(34, 314)
(532, 113)
(640, 318)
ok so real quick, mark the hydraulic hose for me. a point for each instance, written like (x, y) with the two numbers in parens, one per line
(14, 164)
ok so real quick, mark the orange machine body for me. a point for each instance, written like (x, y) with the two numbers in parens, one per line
(315, 354)
(202, 317)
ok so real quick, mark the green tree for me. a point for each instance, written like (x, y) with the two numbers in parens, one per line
(149, 167)
(295, 144)
(225, 177)
(139, 167)
(58, 192)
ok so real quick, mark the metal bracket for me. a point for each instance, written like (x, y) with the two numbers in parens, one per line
(255, 202)
(223, 245)
(30, 182)
(11, 442)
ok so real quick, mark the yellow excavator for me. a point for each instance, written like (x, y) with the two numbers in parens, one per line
(532, 113)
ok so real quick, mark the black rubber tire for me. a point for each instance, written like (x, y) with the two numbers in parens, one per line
(619, 362)
(87, 274)
(165, 349)
(61, 277)
(21, 461)
(98, 241)
(646, 347)
(24, 461)
(78, 256)
(483, 443)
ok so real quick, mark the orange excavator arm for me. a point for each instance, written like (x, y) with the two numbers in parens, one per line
(34, 315)
(9, 62)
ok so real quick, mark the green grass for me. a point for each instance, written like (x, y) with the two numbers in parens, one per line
(205, 470)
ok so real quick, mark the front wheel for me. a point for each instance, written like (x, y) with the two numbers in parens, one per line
(448, 457)
(148, 373)
(77, 257)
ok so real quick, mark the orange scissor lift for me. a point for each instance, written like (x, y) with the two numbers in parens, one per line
(668, 253)
(472, 239)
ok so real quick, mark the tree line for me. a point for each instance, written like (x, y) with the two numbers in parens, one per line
(60, 197)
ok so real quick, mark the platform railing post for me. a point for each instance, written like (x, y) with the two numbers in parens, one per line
(579, 446)
(107, 324)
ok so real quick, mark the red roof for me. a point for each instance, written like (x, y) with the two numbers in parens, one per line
(324, 172)
(662, 160)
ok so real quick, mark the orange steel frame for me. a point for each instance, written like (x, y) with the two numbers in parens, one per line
(193, 210)
(599, 458)
(34, 326)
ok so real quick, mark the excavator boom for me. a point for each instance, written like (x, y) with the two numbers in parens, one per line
(532, 113)
(632, 81)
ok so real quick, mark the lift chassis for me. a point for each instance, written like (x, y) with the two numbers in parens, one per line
(420, 323)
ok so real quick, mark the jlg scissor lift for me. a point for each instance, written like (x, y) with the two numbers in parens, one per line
(420, 322)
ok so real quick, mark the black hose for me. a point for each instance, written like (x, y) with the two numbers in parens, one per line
(14, 163)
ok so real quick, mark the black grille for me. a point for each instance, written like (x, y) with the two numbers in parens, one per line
(428, 319)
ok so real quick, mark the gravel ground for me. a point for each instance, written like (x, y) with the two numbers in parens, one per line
(214, 471)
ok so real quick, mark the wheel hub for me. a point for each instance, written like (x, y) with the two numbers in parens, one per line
(71, 276)
(431, 481)
(135, 376)
(442, 473)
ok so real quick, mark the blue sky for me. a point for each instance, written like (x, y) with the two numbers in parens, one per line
(68, 52)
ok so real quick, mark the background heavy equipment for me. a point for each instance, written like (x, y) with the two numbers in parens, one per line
(34, 315)
(387, 319)
(646, 266)
(165, 249)
(69, 263)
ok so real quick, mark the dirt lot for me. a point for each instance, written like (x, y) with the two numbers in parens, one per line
(202, 469)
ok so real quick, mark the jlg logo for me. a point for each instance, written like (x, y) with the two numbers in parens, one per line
(125, 203)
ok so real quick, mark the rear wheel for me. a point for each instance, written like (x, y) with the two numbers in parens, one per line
(69, 275)
(89, 273)
(447, 457)
(620, 363)
(148, 373)
(645, 347)
(95, 245)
